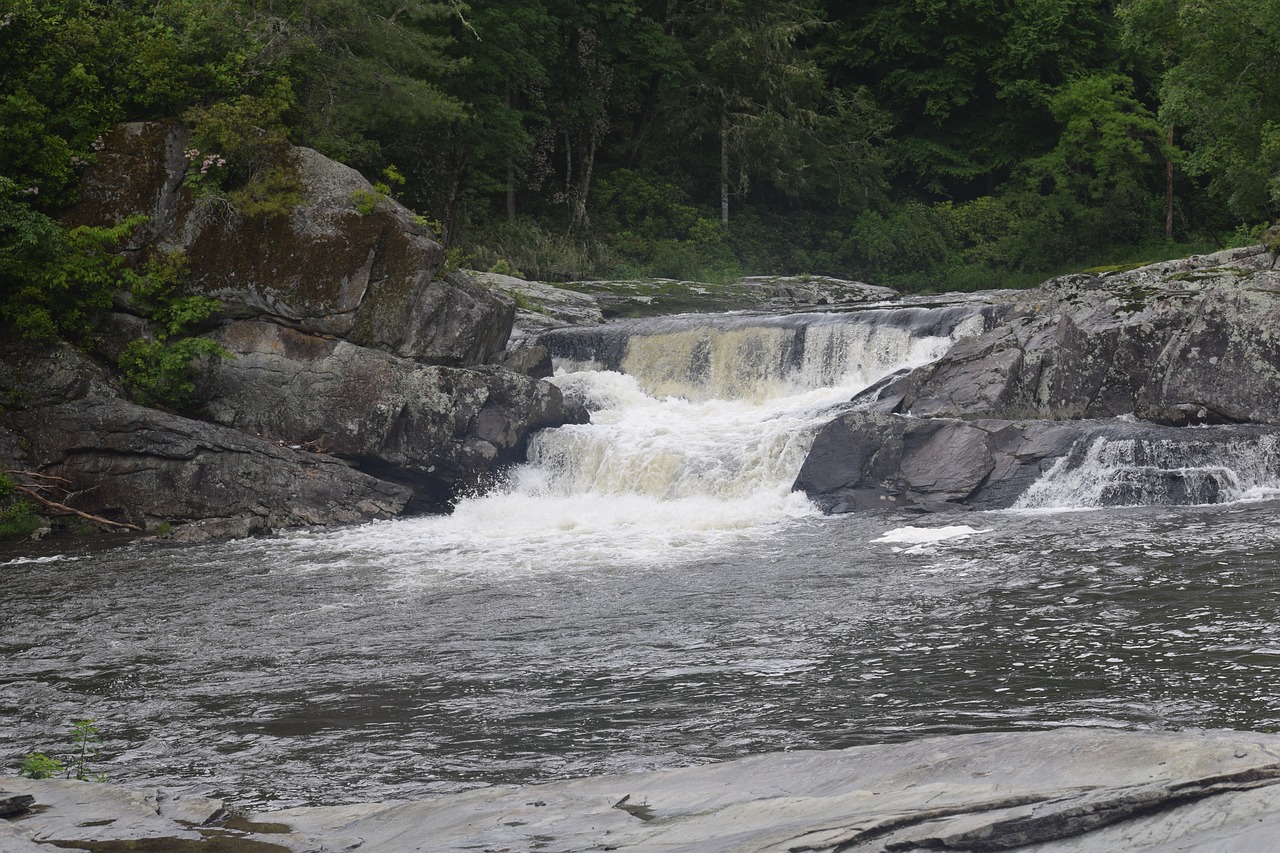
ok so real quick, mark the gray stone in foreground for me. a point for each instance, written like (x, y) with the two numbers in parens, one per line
(69, 810)
(1082, 790)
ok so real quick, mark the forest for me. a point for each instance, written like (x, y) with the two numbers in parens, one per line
(922, 144)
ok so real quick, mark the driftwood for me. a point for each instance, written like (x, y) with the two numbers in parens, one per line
(54, 505)
(12, 805)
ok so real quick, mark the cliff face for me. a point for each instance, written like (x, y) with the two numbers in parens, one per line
(1189, 343)
(357, 386)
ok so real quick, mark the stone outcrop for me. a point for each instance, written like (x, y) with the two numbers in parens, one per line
(1083, 790)
(440, 430)
(364, 378)
(372, 278)
(866, 461)
(1170, 345)
(1181, 342)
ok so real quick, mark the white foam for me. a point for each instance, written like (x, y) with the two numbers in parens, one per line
(19, 561)
(665, 472)
(925, 535)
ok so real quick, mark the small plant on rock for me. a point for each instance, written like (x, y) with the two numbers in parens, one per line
(85, 739)
(37, 765)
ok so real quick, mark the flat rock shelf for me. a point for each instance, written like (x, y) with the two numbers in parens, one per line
(1069, 789)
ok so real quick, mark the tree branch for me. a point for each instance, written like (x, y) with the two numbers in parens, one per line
(64, 508)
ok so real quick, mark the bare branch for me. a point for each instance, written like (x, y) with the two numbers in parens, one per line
(54, 505)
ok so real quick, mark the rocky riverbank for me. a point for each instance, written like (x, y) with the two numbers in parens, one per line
(1163, 348)
(1081, 790)
(364, 380)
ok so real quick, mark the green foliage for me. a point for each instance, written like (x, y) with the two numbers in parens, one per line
(367, 201)
(910, 237)
(18, 520)
(159, 371)
(274, 191)
(1219, 84)
(977, 142)
(543, 254)
(54, 283)
(37, 765)
(501, 267)
(85, 738)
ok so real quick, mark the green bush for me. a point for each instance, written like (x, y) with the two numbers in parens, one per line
(37, 765)
(159, 371)
(19, 520)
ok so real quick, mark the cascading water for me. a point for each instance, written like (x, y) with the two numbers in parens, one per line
(1138, 471)
(699, 425)
(647, 592)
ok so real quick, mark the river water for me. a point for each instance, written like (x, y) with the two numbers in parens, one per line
(646, 593)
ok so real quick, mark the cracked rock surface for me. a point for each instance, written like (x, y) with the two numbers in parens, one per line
(1070, 789)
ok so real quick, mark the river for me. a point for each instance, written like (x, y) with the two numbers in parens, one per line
(647, 592)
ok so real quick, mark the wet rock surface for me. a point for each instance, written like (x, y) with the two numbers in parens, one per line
(362, 383)
(1188, 343)
(435, 429)
(1081, 790)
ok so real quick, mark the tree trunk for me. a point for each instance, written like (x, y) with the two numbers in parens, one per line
(511, 173)
(584, 184)
(1168, 191)
(724, 169)
(451, 199)
(511, 193)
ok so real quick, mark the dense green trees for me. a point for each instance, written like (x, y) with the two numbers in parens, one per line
(916, 142)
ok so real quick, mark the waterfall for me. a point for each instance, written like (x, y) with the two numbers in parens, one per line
(1207, 465)
(757, 358)
(699, 424)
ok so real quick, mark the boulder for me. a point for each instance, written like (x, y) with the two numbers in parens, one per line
(1087, 373)
(541, 306)
(439, 430)
(374, 278)
(145, 466)
(1176, 343)
(1076, 789)
(360, 385)
(868, 460)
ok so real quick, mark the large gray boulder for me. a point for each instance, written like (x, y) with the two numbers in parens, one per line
(1096, 371)
(361, 383)
(144, 467)
(867, 461)
(439, 430)
(373, 278)
(1181, 342)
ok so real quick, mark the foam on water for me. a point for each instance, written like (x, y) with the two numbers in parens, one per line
(1136, 471)
(694, 446)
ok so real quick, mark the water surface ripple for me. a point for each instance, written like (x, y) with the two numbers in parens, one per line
(322, 668)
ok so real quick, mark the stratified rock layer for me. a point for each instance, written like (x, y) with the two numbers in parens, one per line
(1171, 345)
(1079, 790)
(361, 380)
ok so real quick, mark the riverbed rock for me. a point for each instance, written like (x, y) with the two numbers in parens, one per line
(541, 306)
(1091, 790)
(438, 430)
(866, 460)
(71, 810)
(145, 466)
(345, 262)
(1182, 342)
(1084, 364)
(353, 349)
(1069, 789)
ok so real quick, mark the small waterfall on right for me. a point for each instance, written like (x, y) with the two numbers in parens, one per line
(1207, 467)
